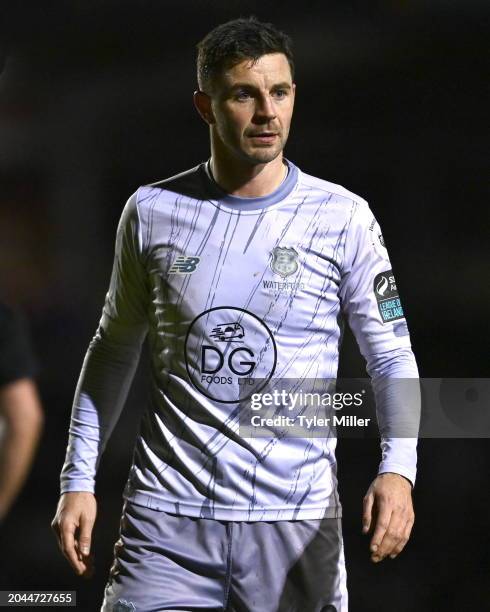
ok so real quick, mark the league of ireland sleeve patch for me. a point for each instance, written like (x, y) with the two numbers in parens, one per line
(386, 293)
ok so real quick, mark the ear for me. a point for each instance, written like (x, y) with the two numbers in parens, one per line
(202, 102)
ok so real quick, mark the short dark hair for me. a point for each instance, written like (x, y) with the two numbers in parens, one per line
(232, 42)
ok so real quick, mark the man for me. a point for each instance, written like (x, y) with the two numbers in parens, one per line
(21, 415)
(238, 271)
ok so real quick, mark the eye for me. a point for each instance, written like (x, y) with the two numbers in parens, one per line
(280, 93)
(242, 95)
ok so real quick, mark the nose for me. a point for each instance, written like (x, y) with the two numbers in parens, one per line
(264, 109)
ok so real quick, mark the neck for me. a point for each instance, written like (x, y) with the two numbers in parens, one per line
(243, 179)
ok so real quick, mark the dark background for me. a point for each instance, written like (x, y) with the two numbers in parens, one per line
(95, 100)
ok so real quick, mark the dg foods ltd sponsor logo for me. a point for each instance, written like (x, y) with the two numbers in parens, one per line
(230, 353)
(386, 293)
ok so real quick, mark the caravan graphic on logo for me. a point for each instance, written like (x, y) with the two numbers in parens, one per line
(228, 332)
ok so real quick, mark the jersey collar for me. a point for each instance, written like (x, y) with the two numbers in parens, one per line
(240, 203)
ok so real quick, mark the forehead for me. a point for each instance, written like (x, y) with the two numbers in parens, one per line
(267, 70)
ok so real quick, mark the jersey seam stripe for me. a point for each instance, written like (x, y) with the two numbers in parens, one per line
(355, 208)
(140, 225)
(229, 527)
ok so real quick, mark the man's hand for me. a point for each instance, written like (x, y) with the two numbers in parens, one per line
(73, 524)
(388, 509)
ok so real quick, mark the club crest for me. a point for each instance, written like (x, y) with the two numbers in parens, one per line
(284, 261)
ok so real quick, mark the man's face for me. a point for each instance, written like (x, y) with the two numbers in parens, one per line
(252, 105)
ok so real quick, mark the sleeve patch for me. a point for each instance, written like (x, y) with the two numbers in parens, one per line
(389, 305)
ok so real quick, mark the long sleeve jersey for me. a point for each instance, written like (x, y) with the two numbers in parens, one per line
(231, 290)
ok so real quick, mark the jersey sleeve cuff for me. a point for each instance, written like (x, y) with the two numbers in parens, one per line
(72, 486)
(397, 468)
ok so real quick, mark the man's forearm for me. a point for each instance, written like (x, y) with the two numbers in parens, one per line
(397, 392)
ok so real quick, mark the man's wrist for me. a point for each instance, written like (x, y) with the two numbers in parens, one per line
(400, 475)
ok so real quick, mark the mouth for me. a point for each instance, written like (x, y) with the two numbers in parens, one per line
(264, 137)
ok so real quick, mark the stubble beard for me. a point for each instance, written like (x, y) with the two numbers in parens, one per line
(252, 155)
(264, 155)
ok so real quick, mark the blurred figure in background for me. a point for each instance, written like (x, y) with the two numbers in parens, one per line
(21, 414)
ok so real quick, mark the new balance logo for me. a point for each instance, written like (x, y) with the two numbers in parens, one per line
(184, 265)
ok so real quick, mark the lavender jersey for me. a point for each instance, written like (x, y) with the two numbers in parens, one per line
(233, 290)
